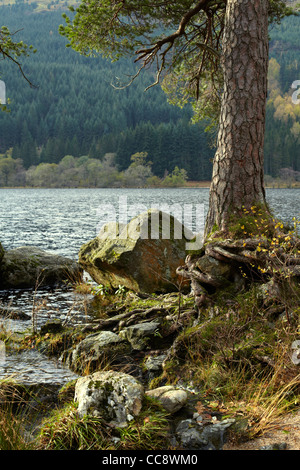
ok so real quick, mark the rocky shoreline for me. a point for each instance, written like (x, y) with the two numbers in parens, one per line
(151, 355)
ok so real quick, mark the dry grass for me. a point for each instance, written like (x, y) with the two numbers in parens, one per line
(14, 414)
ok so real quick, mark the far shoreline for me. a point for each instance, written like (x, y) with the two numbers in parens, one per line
(188, 185)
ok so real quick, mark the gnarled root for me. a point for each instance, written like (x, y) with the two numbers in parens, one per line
(231, 261)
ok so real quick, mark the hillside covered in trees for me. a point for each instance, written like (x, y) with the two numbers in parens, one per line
(74, 110)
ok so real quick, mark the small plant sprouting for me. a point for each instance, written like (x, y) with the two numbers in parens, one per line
(121, 290)
(103, 291)
(100, 289)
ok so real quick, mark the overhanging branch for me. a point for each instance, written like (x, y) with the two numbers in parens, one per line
(153, 50)
(8, 56)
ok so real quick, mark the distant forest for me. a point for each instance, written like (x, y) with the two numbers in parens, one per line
(75, 111)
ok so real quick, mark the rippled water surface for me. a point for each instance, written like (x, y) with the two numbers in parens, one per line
(31, 367)
(61, 220)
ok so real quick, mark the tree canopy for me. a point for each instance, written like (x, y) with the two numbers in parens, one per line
(213, 50)
(12, 50)
(75, 111)
(181, 40)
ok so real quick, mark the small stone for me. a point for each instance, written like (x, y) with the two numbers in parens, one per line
(155, 363)
(51, 326)
(172, 399)
(275, 446)
(191, 438)
(97, 348)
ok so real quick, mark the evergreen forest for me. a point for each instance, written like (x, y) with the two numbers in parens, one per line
(74, 111)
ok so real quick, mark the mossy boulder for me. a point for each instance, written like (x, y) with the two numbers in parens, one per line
(142, 256)
(115, 396)
(140, 334)
(29, 266)
(97, 349)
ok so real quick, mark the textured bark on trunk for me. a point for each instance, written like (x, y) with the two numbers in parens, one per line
(237, 178)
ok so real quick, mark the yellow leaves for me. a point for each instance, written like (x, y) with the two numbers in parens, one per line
(285, 109)
(262, 270)
(208, 408)
(295, 130)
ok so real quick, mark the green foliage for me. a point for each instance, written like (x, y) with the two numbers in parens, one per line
(10, 48)
(149, 431)
(85, 172)
(100, 289)
(75, 110)
(177, 178)
(251, 223)
(65, 430)
(12, 432)
(119, 29)
(11, 172)
(139, 159)
(184, 40)
(13, 50)
(283, 116)
(13, 417)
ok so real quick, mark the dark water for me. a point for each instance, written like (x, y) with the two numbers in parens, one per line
(60, 221)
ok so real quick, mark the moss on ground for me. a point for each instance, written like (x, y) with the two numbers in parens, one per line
(236, 351)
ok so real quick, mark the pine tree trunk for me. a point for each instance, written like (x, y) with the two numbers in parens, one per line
(237, 178)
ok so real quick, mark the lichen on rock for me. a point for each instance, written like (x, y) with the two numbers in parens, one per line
(115, 396)
(143, 255)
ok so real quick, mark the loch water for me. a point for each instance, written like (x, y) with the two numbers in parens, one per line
(61, 221)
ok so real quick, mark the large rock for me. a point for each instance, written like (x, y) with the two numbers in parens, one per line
(191, 436)
(115, 396)
(140, 334)
(29, 266)
(102, 348)
(143, 255)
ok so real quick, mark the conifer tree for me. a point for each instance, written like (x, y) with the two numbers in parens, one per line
(216, 54)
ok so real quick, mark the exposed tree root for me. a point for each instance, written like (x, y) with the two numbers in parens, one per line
(256, 258)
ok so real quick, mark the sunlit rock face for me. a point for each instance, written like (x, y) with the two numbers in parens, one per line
(142, 256)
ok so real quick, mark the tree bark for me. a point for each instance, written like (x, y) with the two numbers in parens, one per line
(237, 178)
